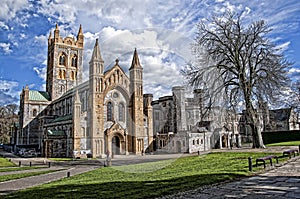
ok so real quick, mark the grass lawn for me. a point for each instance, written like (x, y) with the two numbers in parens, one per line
(6, 163)
(291, 143)
(23, 175)
(134, 181)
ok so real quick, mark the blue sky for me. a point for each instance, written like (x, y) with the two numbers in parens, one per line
(161, 30)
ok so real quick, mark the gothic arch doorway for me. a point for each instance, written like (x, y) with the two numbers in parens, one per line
(116, 145)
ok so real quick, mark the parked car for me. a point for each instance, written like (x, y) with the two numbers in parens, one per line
(27, 153)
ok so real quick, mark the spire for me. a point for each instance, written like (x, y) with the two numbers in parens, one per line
(96, 56)
(80, 37)
(135, 61)
(56, 33)
(50, 35)
(56, 27)
(80, 30)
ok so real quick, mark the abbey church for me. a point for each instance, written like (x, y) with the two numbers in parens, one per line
(108, 114)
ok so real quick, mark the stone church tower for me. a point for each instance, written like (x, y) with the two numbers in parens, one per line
(64, 65)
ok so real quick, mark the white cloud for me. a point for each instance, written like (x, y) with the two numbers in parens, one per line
(3, 26)
(8, 92)
(162, 53)
(6, 48)
(283, 47)
(41, 72)
(9, 9)
(42, 39)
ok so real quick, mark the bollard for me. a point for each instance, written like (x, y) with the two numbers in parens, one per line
(299, 150)
(250, 163)
(68, 174)
(108, 164)
(49, 164)
(19, 163)
(30, 164)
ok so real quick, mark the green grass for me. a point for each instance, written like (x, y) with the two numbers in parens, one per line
(291, 143)
(23, 175)
(134, 181)
(6, 163)
(7, 169)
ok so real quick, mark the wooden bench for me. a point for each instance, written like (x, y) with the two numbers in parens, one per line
(263, 159)
(290, 152)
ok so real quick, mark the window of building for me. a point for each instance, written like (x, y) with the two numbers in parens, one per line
(193, 142)
(73, 75)
(34, 112)
(62, 59)
(121, 112)
(74, 61)
(109, 111)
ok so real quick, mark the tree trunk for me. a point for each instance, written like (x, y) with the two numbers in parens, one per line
(256, 123)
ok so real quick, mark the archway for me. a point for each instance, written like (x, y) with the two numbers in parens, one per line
(115, 145)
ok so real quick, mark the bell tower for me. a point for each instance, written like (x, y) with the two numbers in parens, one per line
(64, 63)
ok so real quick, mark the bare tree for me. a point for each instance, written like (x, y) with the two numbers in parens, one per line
(238, 63)
(294, 96)
(8, 119)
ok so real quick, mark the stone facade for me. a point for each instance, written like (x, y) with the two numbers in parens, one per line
(180, 124)
(108, 114)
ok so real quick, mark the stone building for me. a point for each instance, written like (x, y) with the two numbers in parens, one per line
(108, 114)
(181, 124)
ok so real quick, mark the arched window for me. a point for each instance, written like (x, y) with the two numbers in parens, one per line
(34, 112)
(63, 74)
(60, 76)
(74, 61)
(62, 59)
(121, 112)
(109, 111)
(73, 75)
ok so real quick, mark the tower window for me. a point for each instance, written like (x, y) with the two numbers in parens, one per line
(109, 111)
(73, 75)
(74, 61)
(62, 60)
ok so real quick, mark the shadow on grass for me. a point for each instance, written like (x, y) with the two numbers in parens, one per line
(125, 189)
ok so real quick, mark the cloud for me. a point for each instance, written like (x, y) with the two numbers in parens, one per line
(3, 26)
(6, 48)
(8, 92)
(9, 9)
(162, 54)
(41, 72)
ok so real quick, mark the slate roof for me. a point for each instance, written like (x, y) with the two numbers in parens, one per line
(39, 96)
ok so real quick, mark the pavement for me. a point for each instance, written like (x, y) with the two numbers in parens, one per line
(279, 181)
